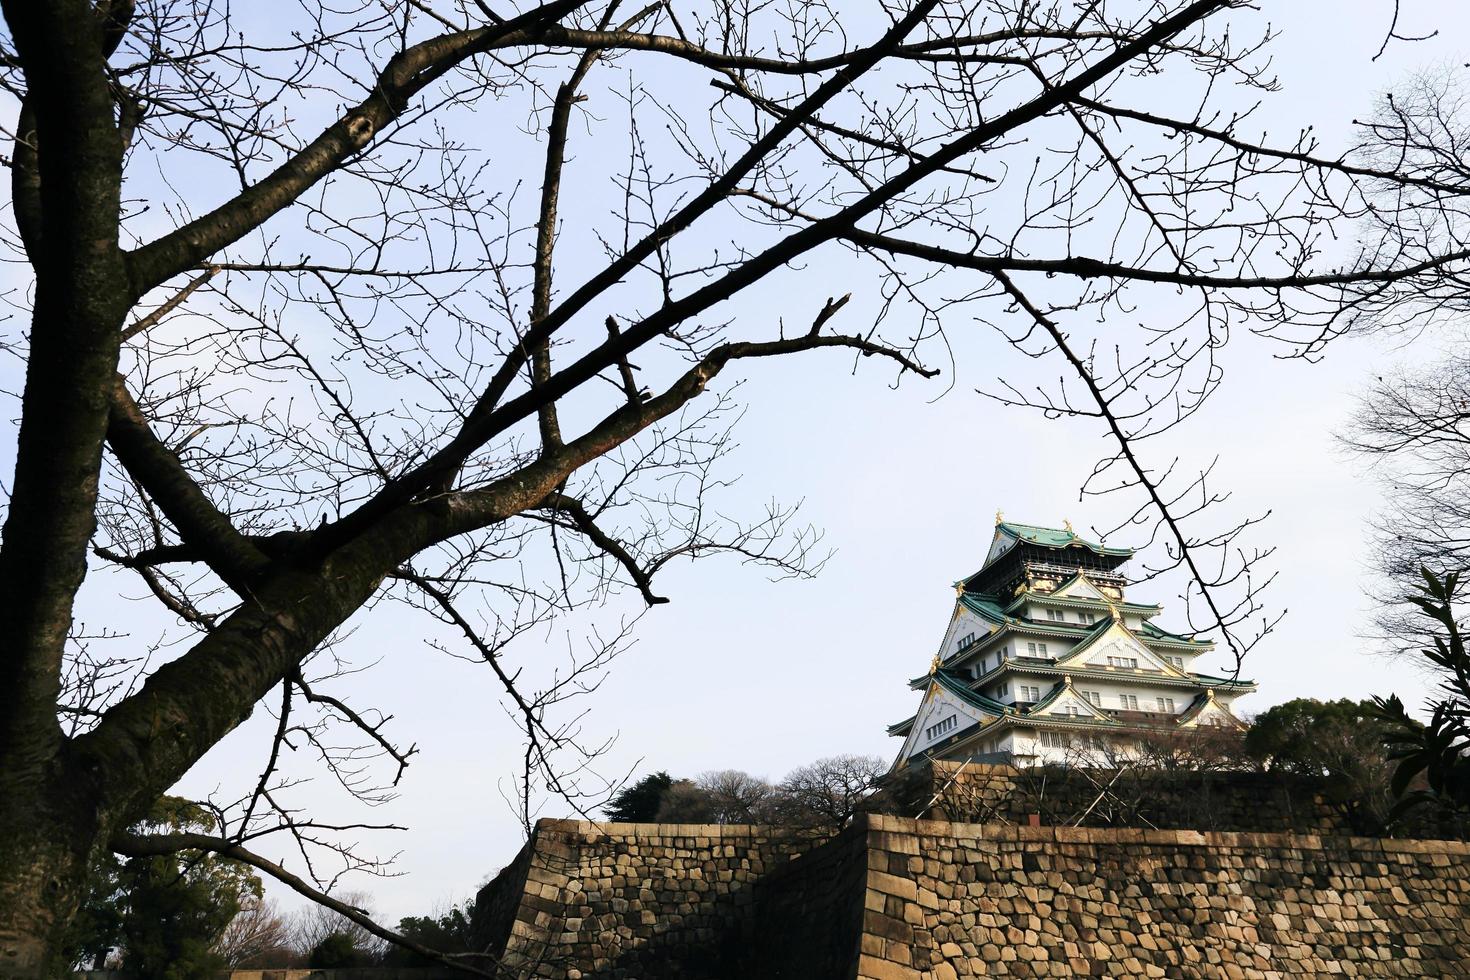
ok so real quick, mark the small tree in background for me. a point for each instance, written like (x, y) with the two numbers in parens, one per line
(447, 931)
(723, 796)
(167, 917)
(1341, 742)
(1433, 772)
(174, 909)
(336, 951)
(824, 794)
(257, 937)
(314, 925)
(737, 797)
(685, 802)
(639, 802)
(828, 792)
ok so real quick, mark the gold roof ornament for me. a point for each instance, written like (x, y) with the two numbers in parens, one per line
(999, 518)
(1068, 525)
(934, 665)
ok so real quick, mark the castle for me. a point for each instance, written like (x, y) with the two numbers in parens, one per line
(1045, 660)
(981, 860)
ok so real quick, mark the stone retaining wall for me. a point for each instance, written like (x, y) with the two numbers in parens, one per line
(953, 900)
(499, 902)
(631, 900)
(809, 913)
(900, 899)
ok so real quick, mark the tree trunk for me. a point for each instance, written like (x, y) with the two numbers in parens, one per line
(67, 201)
(44, 853)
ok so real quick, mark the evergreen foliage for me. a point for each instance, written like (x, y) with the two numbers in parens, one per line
(1340, 742)
(449, 932)
(639, 802)
(337, 951)
(1433, 769)
(165, 913)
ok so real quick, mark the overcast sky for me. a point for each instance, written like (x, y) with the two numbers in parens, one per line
(742, 672)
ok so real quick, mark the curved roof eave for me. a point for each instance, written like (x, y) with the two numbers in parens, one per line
(1051, 537)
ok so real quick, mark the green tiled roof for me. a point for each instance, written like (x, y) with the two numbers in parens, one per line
(1052, 693)
(1210, 680)
(960, 687)
(986, 607)
(1153, 632)
(1136, 608)
(1195, 707)
(1056, 691)
(1050, 537)
(1094, 631)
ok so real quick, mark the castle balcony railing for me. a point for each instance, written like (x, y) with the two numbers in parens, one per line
(1113, 577)
(1157, 719)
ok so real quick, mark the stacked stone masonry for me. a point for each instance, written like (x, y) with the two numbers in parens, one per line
(954, 900)
(971, 792)
(899, 899)
(630, 900)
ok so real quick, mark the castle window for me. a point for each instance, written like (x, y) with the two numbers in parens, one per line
(1041, 648)
(1094, 696)
(1029, 693)
(1085, 617)
(967, 640)
(1123, 662)
(939, 728)
(1128, 701)
(1166, 704)
(1056, 615)
(1072, 710)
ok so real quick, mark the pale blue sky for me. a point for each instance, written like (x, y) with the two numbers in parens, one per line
(741, 672)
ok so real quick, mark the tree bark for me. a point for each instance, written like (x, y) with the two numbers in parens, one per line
(46, 842)
(72, 175)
